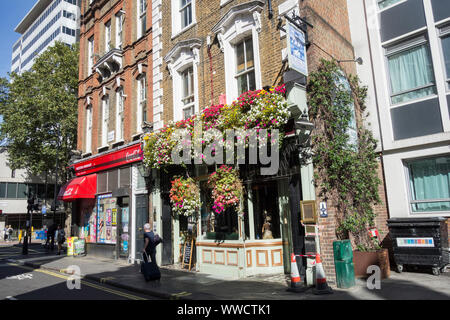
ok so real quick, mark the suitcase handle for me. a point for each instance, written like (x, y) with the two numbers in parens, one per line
(145, 255)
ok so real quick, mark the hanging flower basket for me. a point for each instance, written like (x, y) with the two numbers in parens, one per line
(185, 196)
(226, 189)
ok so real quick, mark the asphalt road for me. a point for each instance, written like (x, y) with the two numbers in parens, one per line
(25, 283)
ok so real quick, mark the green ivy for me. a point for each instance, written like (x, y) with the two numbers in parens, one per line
(345, 174)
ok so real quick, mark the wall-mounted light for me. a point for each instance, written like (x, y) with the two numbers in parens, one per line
(358, 61)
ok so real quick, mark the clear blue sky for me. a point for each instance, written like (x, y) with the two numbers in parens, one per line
(12, 12)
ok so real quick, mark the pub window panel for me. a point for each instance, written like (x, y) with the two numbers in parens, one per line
(3, 190)
(266, 211)
(245, 66)
(102, 180)
(140, 178)
(125, 175)
(410, 70)
(430, 184)
(11, 191)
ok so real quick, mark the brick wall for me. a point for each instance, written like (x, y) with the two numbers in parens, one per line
(135, 52)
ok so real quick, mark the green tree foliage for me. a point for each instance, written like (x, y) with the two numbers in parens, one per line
(39, 109)
(345, 174)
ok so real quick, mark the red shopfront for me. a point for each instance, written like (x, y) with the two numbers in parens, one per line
(101, 201)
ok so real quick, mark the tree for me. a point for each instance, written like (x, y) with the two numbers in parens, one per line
(39, 109)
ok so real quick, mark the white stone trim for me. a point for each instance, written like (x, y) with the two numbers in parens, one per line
(157, 64)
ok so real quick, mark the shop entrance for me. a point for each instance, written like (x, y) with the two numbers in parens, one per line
(141, 219)
(123, 235)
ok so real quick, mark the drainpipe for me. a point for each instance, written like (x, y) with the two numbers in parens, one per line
(269, 5)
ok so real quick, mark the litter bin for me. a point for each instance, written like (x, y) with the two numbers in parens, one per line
(343, 263)
(420, 242)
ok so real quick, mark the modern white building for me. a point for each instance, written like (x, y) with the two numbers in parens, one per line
(48, 21)
(405, 46)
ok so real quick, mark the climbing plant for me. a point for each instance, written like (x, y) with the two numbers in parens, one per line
(346, 168)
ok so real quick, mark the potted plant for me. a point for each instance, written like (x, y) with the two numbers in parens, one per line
(370, 254)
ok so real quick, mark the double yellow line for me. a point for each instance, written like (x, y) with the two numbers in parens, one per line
(57, 275)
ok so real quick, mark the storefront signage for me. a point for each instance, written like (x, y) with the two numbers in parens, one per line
(115, 159)
(415, 242)
(187, 253)
(296, 46)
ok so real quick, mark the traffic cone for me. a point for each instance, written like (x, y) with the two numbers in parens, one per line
(296, 281)
(321, 281)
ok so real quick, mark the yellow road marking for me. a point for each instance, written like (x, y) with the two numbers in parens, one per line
(126, 295)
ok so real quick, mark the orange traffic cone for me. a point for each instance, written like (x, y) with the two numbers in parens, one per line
(321, 281)
(296, 281)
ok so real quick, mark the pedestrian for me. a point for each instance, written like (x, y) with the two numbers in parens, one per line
(51, 237)
(61, 238)
(5, 233)
(10, 233)
(150, 242)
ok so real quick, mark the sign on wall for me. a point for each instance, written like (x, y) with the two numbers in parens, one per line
(296, 46)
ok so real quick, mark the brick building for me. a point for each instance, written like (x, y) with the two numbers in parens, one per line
(114, 108)
(195, 67)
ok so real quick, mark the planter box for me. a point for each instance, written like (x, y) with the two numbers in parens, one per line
(363, 260)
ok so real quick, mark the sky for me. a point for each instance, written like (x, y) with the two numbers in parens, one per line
(12, 12)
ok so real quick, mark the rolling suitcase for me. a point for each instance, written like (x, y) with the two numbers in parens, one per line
(150, 270)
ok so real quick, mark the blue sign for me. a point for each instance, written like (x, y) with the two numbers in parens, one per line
(296, 49)
(44, 209)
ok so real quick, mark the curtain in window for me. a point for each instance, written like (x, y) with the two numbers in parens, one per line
(430, 180)
(409, 70)
(386, 3)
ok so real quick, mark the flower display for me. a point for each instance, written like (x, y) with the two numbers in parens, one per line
(258, 110)
(226, 189)
(185, 196)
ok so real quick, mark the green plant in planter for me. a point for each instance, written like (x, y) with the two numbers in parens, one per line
(343, 152)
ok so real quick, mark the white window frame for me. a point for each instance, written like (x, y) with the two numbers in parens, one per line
(90, 55)
(246, 71)
(444, 32)
(142, 101)
(401, 46)
(89, 129)
(105, 120)
(190, 77)
(177, 17)
(186, 59)
(141, 15)
(244, 26)
(108, 39)
(389, 7)
(119, 30)
(120, 114)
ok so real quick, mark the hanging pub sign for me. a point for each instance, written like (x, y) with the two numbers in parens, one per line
(296, 47)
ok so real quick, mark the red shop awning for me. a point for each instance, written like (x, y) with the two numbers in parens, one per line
(79, 188)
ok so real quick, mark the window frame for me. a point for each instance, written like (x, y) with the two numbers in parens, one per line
(119, 30)
(188, 75)
(246, 71)
(411, 202)
(142, 95)
(120, 110)
(177, 18)
(402, 46)
(91, 54)
(89, 128)
(389, 6)
(141, 17)
(108, 36)
(182, 9)
(105, 119)
(444, 32)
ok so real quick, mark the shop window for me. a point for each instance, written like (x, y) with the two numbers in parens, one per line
(102, 182)
(430, 184)
(266, 212)
(11, 191)
(113, 180)
(3, 190)
(125, 177)
(410, 70)
(107, 220)
(22, 191)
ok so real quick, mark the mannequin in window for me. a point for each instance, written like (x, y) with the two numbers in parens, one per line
(267, 226)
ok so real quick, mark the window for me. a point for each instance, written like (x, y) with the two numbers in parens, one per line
(108, 36)
(11, 191)
(13, 173)
(245, 66)
(105, 120)
(186, 13)
(89, 129)
(3, 190)
(188, 98)
(266, 210)
(386, 3)
(410, 70)
(430, 184)
(142, 103)
(142, 17)
(22, 191)
(90, 55)
(119, 115)
(119, 30)
(445, 40)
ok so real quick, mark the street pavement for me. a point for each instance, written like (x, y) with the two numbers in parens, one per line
(183, 285)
